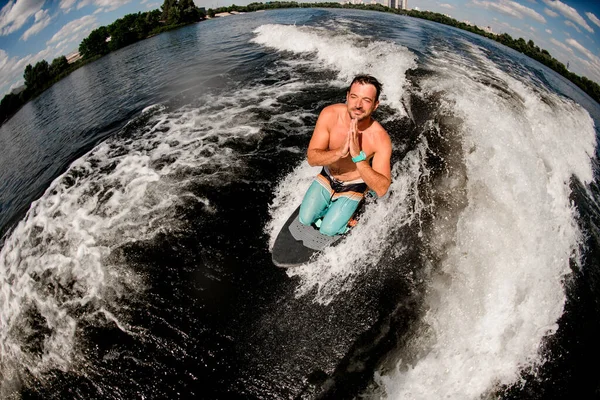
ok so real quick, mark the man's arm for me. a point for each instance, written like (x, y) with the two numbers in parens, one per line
(319, 153)
(378, 176)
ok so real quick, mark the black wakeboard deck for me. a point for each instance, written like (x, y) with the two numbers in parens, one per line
(296, 243)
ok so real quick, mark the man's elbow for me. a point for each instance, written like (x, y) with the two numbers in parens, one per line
(382, 190)
(311, 159)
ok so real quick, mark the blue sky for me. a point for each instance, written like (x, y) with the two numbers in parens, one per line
(32, 30)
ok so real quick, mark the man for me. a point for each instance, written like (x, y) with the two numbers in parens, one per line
(355, 153)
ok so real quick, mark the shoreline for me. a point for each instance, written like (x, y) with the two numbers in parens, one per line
(12, 103)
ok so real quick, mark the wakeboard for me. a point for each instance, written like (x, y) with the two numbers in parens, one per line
(297, 243)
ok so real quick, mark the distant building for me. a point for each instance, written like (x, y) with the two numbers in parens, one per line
(18, 89)
(71, 58)
(488, 29)
(405, 4)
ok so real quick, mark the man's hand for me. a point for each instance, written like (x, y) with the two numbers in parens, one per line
(354, 138)
(343, 151)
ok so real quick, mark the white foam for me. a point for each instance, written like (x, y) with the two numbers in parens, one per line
(347, 53)
(60, 259)
(499, 291)
(336, 269)
(338, 49)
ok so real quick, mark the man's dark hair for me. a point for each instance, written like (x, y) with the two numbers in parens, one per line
(367, 80)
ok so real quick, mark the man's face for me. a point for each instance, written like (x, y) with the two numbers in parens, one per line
(360, 101)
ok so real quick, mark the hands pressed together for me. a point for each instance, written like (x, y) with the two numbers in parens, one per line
(352, 143)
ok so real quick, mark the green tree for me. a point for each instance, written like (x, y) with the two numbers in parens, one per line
(141, 28)
(95, 44)
(58, 66)
(37, 77)
(122, 32)
(170, 11)
(28, 76)
(153, 18)
(189, 12)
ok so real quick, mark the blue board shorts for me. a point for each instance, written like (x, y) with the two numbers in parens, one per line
(331, 201)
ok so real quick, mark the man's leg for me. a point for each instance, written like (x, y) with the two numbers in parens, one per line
(337, 215)
(315, 203)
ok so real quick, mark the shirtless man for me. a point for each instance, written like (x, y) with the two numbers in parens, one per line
(355, 153)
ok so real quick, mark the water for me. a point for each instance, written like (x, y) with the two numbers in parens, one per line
(139, 198)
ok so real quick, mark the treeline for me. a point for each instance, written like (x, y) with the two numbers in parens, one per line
(528, 48)
(123, 32)
(37, 79)
(176, 13)
(135, 27)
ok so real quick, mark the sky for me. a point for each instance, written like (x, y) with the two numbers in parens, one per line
(32, 30)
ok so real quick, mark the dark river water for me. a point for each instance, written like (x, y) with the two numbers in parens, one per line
(140, 197)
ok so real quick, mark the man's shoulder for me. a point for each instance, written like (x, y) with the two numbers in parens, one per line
(334, 109)
(381, 139)
(378, 130)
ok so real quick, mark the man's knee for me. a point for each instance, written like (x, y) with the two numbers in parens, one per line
(306, 218)
(331, 227)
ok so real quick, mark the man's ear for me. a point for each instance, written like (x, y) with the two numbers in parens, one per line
(347, 95)
(376, 105)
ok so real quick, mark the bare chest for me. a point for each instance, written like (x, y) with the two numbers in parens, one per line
(339, 134)
(344, 169)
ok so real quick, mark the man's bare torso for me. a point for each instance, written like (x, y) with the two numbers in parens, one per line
(345, 169)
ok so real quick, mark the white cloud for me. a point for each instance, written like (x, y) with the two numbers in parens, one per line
(446, 5)
(75, 30)
(550, 13)
(593, 18)
(588, 67)
(83, 3)
(528, 12)
(103, 5)
(42, 19)
(548, 31)
(569, 13)
(15, 13)
(572, 25)
(500, 7)
(575, 44)
(12, 68)
(110, 5)
(511, 8)
(562, 46)
(67, 5)
(511, 29)
(592, 63)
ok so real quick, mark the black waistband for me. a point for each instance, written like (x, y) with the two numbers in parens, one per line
(342, 186)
